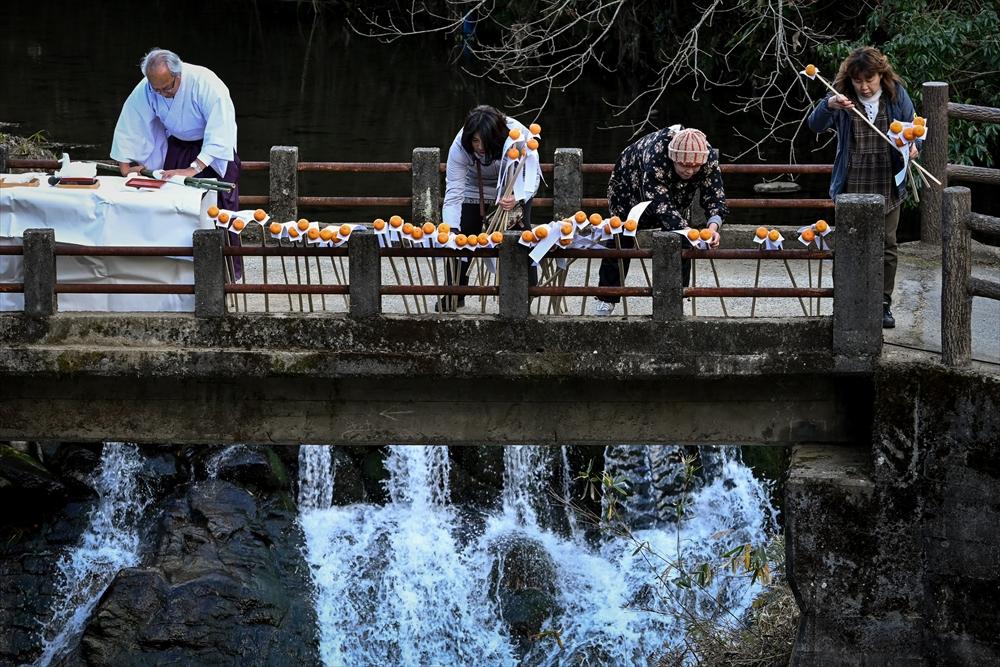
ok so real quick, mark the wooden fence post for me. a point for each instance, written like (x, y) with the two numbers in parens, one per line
(426, 171)
(284, 183)
(567, 182)
(934, 158)
(4, 154)
(956, 269)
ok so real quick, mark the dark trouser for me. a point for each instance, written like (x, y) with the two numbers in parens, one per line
(610, 276)
(472, 223)
(180, 155)
(890, 254)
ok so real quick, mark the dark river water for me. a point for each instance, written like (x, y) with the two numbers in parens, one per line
(67, 68)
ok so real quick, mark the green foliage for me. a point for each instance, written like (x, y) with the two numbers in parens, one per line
(936, 40)
(714, 636)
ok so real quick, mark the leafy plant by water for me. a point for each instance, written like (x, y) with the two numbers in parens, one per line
(715, 634)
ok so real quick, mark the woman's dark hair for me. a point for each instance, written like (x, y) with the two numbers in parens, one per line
(861, 64)
(490, 125)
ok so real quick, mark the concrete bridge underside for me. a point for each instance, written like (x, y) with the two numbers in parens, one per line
(428, 380)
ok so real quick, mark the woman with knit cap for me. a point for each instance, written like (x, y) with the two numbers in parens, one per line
(664, 168)
(865, 162)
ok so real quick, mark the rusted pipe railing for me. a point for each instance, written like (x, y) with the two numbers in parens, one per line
(815, 292)
(121, 288)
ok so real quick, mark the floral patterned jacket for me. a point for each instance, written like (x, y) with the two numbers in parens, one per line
(644, 172)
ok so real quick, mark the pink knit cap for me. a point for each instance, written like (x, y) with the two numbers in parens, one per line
(689, 146)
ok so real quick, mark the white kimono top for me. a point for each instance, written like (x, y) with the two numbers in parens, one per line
(462, 182)
(201, 109)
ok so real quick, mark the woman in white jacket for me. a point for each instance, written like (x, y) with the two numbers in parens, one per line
(477, 165)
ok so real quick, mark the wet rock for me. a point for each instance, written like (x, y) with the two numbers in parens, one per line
(27, 484)
(523, 576)
(348, 480)
(73, 463)
(160, 471)
(28, 574)
(476, 475)
(225, 584)
(253, 466)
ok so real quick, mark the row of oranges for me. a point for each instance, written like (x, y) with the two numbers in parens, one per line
(238, 223)
(442, 231)
(808, 234)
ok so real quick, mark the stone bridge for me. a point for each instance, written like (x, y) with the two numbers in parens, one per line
(371, 378)
(892, 514)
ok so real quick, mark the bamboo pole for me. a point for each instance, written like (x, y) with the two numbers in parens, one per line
(621, 274)
(864, 117)
(722, 301)
(586, 281)
(308, 274)
(792, 277)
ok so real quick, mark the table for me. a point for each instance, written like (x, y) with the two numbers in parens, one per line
(111, 215)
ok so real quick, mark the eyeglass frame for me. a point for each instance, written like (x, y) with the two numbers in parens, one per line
(163, 91)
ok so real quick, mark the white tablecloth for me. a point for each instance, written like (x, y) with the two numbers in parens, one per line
(109, 215)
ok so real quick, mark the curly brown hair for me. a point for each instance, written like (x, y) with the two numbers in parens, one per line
(861, 64)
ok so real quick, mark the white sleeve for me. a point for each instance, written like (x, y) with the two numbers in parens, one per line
(219, 143)
(139, 134)
(454, 188)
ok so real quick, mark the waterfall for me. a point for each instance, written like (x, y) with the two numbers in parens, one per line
(404, 584)
(525, 470)
(316, 477)
(109, 544)
(392, 584)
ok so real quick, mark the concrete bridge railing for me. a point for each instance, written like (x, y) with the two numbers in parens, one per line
(857, 276)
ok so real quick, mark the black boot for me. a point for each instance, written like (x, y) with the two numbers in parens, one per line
(888, 321)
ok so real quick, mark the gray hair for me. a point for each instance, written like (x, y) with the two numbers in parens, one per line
(158, 56)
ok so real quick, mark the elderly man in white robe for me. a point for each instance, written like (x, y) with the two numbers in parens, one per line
(179, 118)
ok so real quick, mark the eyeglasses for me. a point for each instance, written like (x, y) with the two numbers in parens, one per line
(166, 89)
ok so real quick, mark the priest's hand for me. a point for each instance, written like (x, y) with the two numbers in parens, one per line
(129, 168)
(508, 202)
(186, 173)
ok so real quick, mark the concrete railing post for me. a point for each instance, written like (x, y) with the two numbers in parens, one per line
(284, 183)
(567, 182)
(956, 270)
(668, 278)
(515, 304)
(365, 274)
(39, 272)
(209, 273)
(426, 185)
(857, 276)
(4, 154)
(934, 158)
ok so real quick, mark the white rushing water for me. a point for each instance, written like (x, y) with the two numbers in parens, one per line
(109, 543)
(406, 583)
